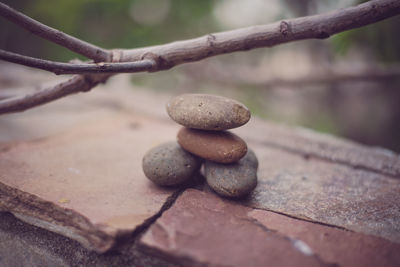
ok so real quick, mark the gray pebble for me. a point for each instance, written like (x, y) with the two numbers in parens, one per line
(207, 112)
(235, 179)
(168, 164)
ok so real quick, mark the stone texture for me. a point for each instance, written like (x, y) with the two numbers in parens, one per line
(292, 180)
(327, 192)
(169, 165)
(87, 183)
(218, 146)
(346, 248)
(208, 230)
(23, 245)
(233, 180)
(204, 230)
(207, 112)
(303, 174)
(79, 109)
(308, 143)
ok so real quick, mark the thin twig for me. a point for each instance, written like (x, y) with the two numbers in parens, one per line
(78, 46)
(76, 84)
(310, 27)
(169, 55)
(75, 68)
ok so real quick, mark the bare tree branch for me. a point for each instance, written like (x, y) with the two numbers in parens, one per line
(81, 68)
(172, 54)
(76, 84)
(310, 27)
(78, 46)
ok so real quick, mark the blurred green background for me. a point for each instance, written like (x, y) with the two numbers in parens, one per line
(282, 84)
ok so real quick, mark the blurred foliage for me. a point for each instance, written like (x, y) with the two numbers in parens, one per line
(110, 23)
(382, 38)
(107, 23)
(129, 24)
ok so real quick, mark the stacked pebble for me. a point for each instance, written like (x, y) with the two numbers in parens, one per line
(230, 167)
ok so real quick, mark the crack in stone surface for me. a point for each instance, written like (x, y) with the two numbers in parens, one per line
(301, 219)
(292, 240)
(124, 243)
(330, 159)
(27, 206)
(167, 204)
(27, 245)
(206, 221)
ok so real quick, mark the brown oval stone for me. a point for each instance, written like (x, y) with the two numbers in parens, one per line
(207, 112)
(222, 146)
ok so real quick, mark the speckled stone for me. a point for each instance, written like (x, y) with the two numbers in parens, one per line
(218, 146)
(207, 112)
(168, 164)
(233, 180)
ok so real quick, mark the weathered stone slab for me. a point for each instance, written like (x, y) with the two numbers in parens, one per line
(346, 248)
(87, 183)
(206, 229)
(308, 143)
(302, 173)
(94, 163)
(115, 97)
(18, 252)
(201, 229)
(22, 244)
(327, 192)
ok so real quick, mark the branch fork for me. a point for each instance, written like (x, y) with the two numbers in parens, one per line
(162, 57)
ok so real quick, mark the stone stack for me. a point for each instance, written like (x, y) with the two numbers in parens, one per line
(229, 166)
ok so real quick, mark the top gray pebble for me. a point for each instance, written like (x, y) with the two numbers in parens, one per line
(207, 112)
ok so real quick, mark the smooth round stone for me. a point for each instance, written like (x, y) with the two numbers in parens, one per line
(222, 147)
(233, 180)
(207, 112)
(168, 164)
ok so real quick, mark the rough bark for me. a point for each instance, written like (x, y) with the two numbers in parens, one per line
(166, 56)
